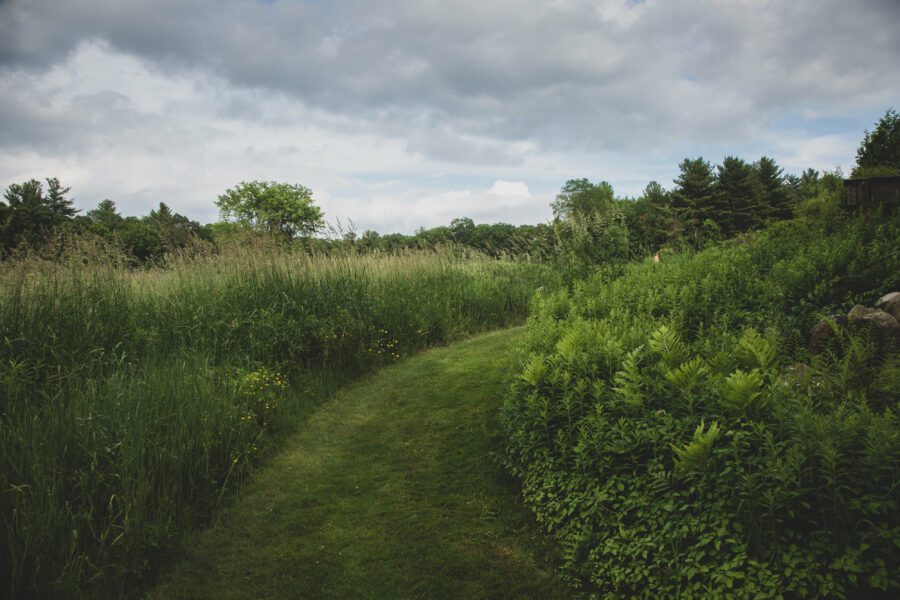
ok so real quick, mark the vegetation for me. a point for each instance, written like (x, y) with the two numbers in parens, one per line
(134, 401)
(668, 425)
(29, 212)
(275, 208)
(879, 152)
(672, 433)
(392, 493)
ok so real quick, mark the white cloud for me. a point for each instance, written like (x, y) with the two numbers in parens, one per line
(406, 114)
(510, 188)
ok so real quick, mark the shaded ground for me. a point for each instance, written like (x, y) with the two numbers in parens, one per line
(388, 491)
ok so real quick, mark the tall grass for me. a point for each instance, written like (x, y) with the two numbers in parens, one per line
(132, 402)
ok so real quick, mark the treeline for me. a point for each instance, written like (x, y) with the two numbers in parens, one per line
(33, 213)
(707, 204)
(497, 239)
(591, 224)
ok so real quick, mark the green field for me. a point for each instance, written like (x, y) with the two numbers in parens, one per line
(135, 402)
(391, 490)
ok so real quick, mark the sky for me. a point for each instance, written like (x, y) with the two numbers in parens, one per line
(409, 113)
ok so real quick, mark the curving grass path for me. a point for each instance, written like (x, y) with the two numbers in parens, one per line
(388, 491)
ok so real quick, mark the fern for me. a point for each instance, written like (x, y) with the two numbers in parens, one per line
(686, 377)
(535, 370)
(569, 345)
(629, 381)
(693, 455)
(666, 342)
(742, 391)
(759, 349)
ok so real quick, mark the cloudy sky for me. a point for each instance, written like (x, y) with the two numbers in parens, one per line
(408, 113)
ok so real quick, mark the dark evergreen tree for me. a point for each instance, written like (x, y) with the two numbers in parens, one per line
(694, 193)
(175, 231)
(738, 201)
(776, 197)
(30, 214)
(105, 217)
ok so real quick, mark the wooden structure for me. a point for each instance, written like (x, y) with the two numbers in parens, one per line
(863, 194)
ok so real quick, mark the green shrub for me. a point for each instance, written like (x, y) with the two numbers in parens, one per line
(670, 430)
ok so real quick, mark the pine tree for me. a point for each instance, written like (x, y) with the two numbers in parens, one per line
(693, 196)
(30, 214)
(737, 197)
(775, 195)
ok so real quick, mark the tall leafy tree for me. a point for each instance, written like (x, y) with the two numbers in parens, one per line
(581, 197)
(650, 219)
(694, 194)
(879, 151)
(278, 208)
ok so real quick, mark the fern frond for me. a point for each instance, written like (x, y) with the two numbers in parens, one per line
(693, 455)
(666, 342)
(685, 377)
(742, 390)
(535, 370)
(569, 345)
(759, 349)
(629, 381)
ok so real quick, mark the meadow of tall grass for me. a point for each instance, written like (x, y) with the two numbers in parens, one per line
(133, 401)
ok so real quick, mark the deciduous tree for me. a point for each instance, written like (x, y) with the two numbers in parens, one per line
(279, 208)
(879, 151)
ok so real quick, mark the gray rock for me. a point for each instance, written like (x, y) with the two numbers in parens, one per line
(823, 331)
(885, 326)
(859, 311)
(890, 303)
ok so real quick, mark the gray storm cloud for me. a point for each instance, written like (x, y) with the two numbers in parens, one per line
(342, 92)
(565, 74)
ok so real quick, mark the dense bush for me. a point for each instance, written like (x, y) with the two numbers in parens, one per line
(670, 430)
(130, 402)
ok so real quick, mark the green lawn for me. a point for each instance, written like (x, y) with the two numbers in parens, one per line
(388, 491)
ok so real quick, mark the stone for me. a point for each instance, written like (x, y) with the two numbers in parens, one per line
(885, 326)
(890, 303)
(823, 331)
(859, 311)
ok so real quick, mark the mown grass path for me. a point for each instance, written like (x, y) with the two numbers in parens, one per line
(388, 491)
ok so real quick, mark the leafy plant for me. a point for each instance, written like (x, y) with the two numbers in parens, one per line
(693, 455)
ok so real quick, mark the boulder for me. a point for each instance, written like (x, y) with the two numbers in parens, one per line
(885, 326)
(859, 311)
(890, 303)
(823, 331)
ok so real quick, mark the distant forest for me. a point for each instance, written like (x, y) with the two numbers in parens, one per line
(590, 223)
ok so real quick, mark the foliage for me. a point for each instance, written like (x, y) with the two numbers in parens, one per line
(694, 194)
(133, 401)
(670, 430)
(30, 213)
(879, 152)
(580, 197)
(276, 208)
